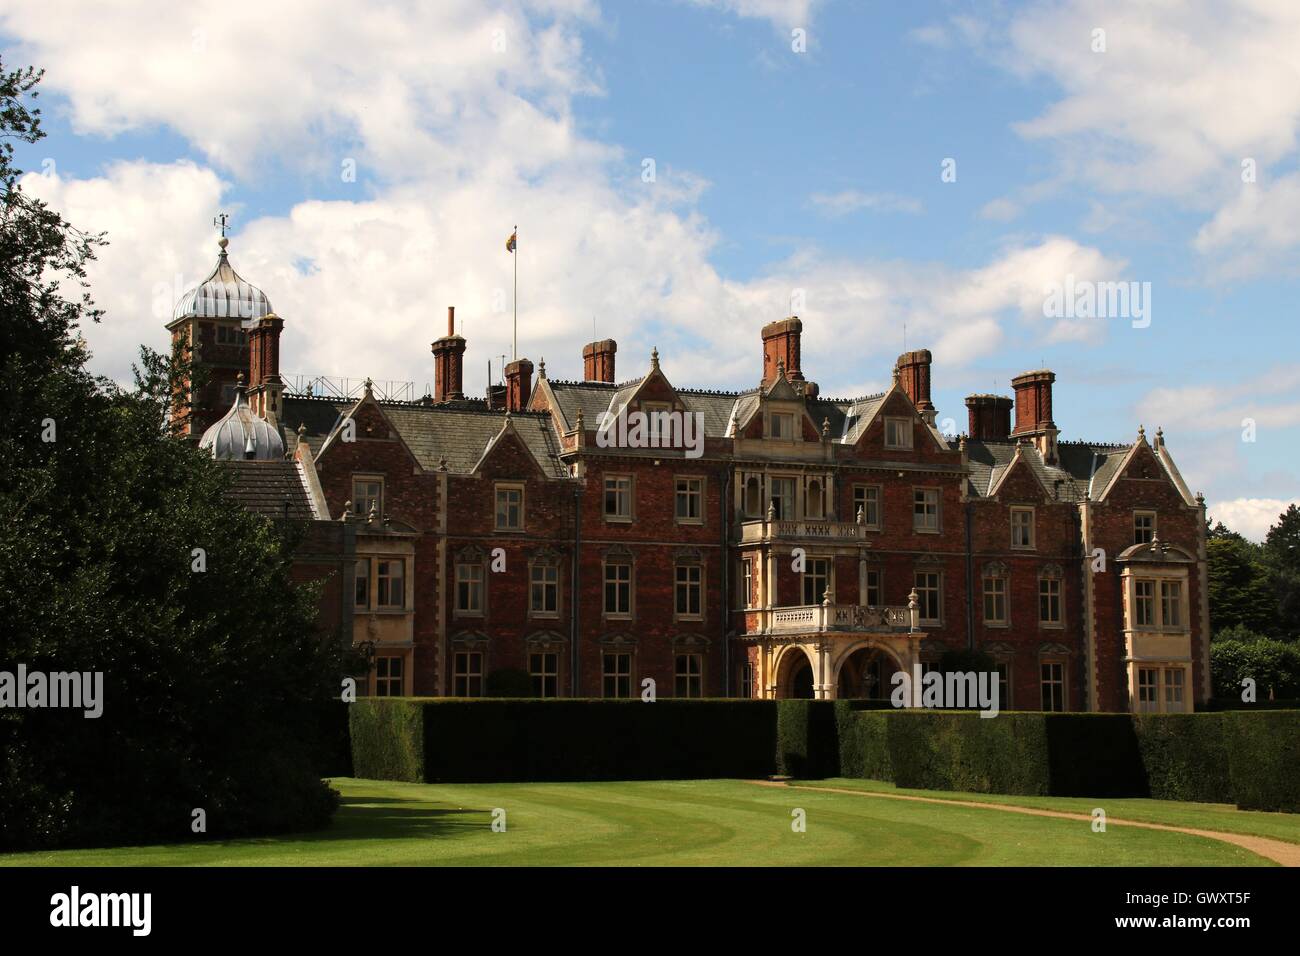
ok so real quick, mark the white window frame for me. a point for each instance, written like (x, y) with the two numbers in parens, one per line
(624, 492)
(696, 492)
(606, 567)
(1028, 522)
(1144, 513)
(506, 488)
(549, 573)
(924, 497)
(862, 495)
(366, 478)
(921, 591)
(470, 579)
(773, 433)
(686, 586)
(1000, 591)
(899, 432)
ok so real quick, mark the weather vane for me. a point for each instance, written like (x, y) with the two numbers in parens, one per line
(221, 221)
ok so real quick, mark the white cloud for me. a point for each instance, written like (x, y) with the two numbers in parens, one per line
(1181, 94)
(460, 145)
(1269, 400)
(1250, 517)
(1000, 210)
(783, 14)
(1255, 231)
(852, 200)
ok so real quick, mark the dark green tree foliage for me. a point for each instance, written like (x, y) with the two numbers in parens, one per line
(1273, 665)
(212, 680)
(1282, 557)
(1239, 592)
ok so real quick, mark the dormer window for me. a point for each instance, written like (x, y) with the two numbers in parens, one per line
(367, 493)
(780, 425)
(898, 433)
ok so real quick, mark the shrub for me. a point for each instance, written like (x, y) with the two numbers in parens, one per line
(447, 740)
(863, 741)
(1185, 756)
(1263, 754)
(1274, 666)
(807, 744)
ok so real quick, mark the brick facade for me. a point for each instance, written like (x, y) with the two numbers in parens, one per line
(805, 546)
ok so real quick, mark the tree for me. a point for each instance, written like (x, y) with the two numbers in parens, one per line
(1238, 587)
(1282, 559)
(120, 555)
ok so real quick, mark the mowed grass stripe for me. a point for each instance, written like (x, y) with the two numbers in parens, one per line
(1204, 816)
(678, 823)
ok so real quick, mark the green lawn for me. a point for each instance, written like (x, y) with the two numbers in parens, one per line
(698, 822)
(1223, 817)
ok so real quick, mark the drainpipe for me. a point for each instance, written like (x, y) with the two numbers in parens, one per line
(970, 584)
(574, 680)
(725, 552)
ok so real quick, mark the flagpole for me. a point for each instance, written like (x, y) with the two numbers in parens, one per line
(514, 347)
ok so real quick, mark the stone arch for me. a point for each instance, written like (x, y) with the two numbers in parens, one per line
(864, 660)
(794, 673)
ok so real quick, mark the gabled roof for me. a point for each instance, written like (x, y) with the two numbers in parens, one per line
(989, 462)
(458, 432)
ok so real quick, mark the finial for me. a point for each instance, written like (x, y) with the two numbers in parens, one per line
(861, 518)
(541, 368)
(580, 422)
(961, 444)
(1142, 432)
(239, 380)
(442, 463)
(223, 242)
(896, 374)
(370, 387)
(771, 511)
(826, 596)
(826, 428)
(347, 509)
(1160, 435)
(374, 513)
(302, 430)
(1200, 498)
(654, 357)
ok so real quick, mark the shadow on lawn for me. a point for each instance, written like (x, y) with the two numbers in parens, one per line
(389, 818)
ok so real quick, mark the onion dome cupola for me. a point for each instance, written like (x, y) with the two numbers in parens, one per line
(223, 295)
(241, 435)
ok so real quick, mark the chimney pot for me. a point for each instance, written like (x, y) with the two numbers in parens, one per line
(781, 346)
(519, 384)
(598, 361)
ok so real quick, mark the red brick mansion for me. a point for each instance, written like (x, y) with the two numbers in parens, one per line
(765, 543)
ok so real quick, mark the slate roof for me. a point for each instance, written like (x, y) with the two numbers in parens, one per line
(457, 431)
(1079, 464)
(847, 416)
(263, 486)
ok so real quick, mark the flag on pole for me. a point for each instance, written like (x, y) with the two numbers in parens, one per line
(510, 243)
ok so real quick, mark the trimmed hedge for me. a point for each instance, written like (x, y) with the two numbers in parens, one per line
(446, 740)
(1250, 758)
(863, 741)
(1243, 757)
(1185, 755)
(1264, 759)
(806, 739)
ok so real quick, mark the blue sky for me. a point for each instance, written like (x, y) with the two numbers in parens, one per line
(779, 174)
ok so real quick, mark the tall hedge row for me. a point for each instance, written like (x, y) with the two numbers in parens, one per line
(1247, 758)
(440, 740)
(806, 739)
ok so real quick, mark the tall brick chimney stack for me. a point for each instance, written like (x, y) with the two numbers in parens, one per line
(598, 361)
(990, 417)
(449, 363)
(1034, 410)
(781, 344)
(519, 384)
(265, 387)
(914, 378)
